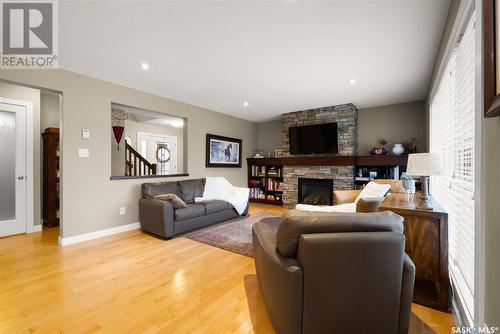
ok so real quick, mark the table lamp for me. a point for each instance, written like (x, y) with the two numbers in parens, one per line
(424, 165)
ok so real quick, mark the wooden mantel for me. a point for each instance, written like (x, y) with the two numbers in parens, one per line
(338, 160)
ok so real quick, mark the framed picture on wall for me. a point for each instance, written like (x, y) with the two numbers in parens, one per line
(223, 151)
(491, 52)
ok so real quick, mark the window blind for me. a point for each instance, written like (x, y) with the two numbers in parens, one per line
(452, 117)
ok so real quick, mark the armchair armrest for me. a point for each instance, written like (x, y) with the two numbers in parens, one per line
(345, 196)
(406, 294)
(280, 280)
(157, 217)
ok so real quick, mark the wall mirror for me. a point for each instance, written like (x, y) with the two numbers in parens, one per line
(145, 143)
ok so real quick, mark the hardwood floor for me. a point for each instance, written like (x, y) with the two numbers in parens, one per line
(134, 283)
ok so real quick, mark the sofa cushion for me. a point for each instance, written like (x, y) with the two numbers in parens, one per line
(175, 200)
(152, 189)
(189, 189)
(216, 206)
(295, 223)
(190, 211)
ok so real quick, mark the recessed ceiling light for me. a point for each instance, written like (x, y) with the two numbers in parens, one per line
(352, 81)
(145, 66)
(245, 104)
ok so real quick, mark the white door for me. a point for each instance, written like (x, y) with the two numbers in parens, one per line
(12, 169)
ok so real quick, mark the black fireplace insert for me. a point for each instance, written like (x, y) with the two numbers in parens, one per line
(315, 191)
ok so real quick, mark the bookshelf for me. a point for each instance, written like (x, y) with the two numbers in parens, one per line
(265, 180)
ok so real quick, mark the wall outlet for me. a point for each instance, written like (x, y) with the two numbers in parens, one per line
(122, 211)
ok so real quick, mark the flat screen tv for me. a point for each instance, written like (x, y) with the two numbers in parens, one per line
(314, 139)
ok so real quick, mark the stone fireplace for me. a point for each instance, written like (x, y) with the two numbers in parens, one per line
(346, 116)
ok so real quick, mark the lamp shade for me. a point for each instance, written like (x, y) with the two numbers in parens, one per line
(424, 164)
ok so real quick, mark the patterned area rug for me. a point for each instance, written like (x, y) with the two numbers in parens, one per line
(234, 235)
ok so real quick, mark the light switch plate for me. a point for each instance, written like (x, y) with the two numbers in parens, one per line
(122, 210)
(83, 152)
(85, 134)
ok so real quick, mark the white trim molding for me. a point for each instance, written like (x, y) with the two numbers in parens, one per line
(34, 228)
(97, 234)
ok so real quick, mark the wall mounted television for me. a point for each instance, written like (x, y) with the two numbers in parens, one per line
(314, 139)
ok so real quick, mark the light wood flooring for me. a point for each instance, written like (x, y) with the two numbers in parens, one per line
(135, 283)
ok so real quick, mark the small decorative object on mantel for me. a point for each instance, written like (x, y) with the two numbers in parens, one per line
(380, 150)
(398, 149)
(278, 153)
(410, 145)
(258, 154)
(491, 61)
(223, 151)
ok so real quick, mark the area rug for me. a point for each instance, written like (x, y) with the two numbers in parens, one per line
(234, 235)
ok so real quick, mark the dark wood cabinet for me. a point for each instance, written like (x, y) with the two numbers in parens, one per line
(51, 177)
(426, 233)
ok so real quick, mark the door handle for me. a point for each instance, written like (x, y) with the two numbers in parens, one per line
(20, 177)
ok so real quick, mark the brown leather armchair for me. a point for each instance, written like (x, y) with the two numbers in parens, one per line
(334, 272)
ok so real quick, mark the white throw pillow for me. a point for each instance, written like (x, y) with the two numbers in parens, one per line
(373, 189)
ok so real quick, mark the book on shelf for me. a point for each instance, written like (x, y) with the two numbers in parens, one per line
(258, 171)
(274, 171)
(256, 193)
(274, 185)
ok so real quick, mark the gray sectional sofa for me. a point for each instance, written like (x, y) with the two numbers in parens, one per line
(161, 218)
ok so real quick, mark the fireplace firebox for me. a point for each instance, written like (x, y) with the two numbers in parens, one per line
(315, 191)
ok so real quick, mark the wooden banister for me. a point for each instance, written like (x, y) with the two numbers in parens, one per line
(136, 164)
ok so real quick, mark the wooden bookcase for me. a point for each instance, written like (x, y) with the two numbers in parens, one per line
(51, 176)
(265, 177)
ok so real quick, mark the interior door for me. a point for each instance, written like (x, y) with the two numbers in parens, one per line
(12, 169)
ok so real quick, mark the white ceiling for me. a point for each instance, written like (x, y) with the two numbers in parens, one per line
(280, 56)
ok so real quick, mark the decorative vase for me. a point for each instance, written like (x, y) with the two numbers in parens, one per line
(398, 149)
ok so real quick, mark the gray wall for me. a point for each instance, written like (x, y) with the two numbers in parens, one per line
(90, 201)
(394, 123)
(269, 136)
(30, 95)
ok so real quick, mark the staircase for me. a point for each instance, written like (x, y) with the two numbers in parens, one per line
(136, 164)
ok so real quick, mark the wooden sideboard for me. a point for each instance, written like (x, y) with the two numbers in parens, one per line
(426, 233)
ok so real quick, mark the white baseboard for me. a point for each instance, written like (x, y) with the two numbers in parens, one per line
(34, 228)
(98, 234)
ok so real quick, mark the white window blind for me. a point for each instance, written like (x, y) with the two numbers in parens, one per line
(452, 116)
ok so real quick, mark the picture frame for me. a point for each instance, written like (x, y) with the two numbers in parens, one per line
(223, 151)
(491, 54)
